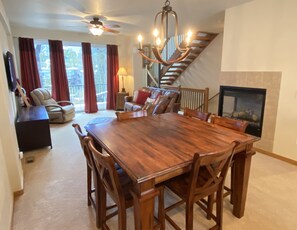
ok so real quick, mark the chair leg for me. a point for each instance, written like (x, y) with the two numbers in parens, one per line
(232, 185)
(89, 184)
(100, 203)
(219, 209)
(210, 202)
(189, 215)
(122, 221)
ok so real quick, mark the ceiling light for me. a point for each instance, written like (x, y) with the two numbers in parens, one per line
(96, 30)
(161, 37)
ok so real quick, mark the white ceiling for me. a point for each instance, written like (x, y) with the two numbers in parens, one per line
(133, 16)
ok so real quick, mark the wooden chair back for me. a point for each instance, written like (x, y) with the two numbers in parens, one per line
(83, 144)
(212, 176)
(129, 115)
(238, 125)
(107, 172)
(196, 114)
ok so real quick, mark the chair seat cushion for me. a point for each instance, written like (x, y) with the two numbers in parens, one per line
(67, 109)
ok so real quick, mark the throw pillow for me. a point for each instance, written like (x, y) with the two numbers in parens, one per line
(155, 94)
(149, 107)
(161, 104)
(142, 96)
(135, 95)
(150, 100)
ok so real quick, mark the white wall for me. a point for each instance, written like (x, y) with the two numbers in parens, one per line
(261, 36)
(205, 71)
(11, 174)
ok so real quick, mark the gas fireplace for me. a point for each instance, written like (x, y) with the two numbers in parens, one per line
(244, 104)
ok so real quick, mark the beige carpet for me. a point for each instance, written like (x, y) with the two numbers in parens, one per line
(55, 190)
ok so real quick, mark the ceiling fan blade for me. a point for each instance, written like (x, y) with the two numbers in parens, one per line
(110, 30)
(110, 26)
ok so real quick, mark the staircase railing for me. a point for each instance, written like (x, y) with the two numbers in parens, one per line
(193, 98)
(154, 69)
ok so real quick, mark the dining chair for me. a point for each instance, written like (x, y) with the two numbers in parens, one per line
(91, 173)
(237, 125)
(207, 176)
(203, 116)
(118, 185)
(131, 114)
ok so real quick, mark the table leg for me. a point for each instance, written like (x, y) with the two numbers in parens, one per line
(144, 195)
(241, 173)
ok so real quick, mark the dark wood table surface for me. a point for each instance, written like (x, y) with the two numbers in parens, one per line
(156, 148)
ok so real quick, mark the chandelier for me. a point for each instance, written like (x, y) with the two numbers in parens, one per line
(161, 37)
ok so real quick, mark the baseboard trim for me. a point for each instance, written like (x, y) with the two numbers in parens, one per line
(279, 157)
(18, 193)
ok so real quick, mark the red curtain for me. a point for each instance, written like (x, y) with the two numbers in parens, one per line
(112, 78)
(60, 90)
(90, 91)
(29, 71)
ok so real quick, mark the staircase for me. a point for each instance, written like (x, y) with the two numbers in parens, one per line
(170, 73)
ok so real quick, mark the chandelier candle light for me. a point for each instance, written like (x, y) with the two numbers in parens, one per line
(122, 72)
(161, 34)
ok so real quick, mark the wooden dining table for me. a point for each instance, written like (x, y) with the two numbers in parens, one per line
(154, 149)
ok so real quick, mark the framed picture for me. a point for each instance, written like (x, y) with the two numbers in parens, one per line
(147, 52)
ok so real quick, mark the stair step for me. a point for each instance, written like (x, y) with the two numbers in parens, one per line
(168, 78)
(199, 45)
(186, 62)
(171, 75)
(175, 71)
(166, 82)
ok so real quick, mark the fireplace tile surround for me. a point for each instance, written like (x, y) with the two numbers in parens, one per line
(271, 82)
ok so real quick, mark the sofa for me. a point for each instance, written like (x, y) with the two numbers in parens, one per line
(154, 100)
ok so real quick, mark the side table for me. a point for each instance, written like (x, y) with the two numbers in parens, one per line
(120, 100)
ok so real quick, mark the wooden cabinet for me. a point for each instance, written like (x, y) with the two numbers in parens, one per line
(120, 100)
(32, 128)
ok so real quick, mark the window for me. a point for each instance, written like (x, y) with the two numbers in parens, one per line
(74, 70)
(75, 75)
(43, 64)
(100, 74)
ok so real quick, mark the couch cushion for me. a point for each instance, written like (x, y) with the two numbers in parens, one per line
(149, 107)
(161, 104)
(142, 96)
(137, 107)
(128, 106)
(155, 94)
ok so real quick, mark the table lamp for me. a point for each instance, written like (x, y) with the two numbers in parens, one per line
(122, 72)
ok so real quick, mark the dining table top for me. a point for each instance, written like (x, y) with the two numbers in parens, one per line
(156, 147)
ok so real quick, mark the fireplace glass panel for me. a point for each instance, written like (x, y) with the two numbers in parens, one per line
(244, 104)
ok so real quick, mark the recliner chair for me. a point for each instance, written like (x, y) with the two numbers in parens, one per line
(57, 113)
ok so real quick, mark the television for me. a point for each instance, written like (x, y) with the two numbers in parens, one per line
(10, 71)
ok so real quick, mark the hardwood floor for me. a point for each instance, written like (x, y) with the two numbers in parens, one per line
(55, 190)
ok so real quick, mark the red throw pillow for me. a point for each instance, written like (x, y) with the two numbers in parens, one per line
(142, 96)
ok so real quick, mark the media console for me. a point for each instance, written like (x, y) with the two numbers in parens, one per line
(32, 128)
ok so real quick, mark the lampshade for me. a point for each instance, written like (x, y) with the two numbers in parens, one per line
(122, 71)
(97, 31)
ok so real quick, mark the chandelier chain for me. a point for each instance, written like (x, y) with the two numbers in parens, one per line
(167, 3)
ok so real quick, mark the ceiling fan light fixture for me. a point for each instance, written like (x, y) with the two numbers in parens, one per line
(96, 30)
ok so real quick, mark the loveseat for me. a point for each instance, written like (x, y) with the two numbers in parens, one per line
(154, 100)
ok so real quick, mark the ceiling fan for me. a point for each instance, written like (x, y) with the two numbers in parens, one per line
(97, 27)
